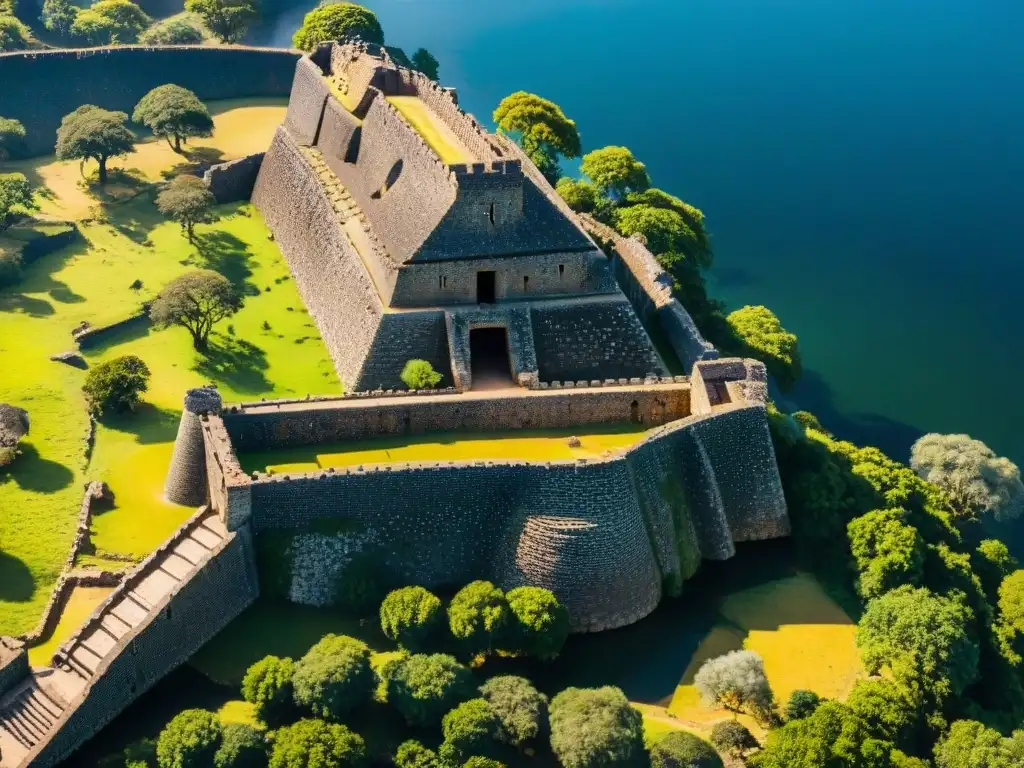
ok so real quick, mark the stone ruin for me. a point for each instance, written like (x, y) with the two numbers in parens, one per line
(399, 254)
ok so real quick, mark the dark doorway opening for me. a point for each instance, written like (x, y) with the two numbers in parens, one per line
(490, 366)
(485, 287)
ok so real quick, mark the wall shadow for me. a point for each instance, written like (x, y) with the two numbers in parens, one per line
(31, 472)
(16, 582)
(149, 424)
(236, 362)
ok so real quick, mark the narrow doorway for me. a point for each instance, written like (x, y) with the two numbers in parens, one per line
(486, 283)
(490, 366)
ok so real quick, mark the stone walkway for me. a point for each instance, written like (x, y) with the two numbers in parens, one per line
(29, 713)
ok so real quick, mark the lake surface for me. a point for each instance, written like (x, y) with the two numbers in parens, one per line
(860, 163)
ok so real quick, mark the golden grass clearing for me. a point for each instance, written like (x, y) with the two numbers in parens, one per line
(439, 136)
(79, 606)
(236, 711)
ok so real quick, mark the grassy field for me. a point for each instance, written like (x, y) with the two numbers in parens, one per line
(439, 136)
(533, 445)
(253, 354)
(80, 603)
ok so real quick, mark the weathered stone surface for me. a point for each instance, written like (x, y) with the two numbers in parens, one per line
(233, 181)
(186, 478)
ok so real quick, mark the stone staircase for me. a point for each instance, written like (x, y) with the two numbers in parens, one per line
(341, 201)
(31, 713)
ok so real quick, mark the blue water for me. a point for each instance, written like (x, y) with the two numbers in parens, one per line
(860, 163)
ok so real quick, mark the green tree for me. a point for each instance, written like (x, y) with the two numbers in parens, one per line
(412, 617)
(888, 552)
(992, 562)
(336, 21)
(190, 740)
(1011, 600)
(15, 198)
(267, 685)
(889, 710)
(196, 301)
(334, 677)
(614, 171)
(477, 616)
(384, 664)
(187, 201)
(110, 22)
(596, 727)
(185, 29)
(412, 754)
(14, 36)
(520, 707)
(12, 138)
(973, 477)
(539, 623)
(116, 385)
(760, 335)
(91, 133)
(692, 239)
(969, 744)
(680, 749)
(175, 113)
(472, 728)
(922, 637)
(801, 704)
(58, 16)
(10, 268)
(14, 425)
(733, 738)
(541, 129)
(478, 761)
(420, 374)
(424, 687)
(228, 20)
(317, 744)
(663, 230)
(833, 736)
(241, 746)
(581, 196)
(736, 681)
(424, 61)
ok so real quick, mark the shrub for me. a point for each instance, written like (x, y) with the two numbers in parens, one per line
(521, 708)
(15, 198)
(420, 374)
(177, 30)
(472, 728)
(733, 738)
(12, 138)
(736, 681)
(110, 22)
(684, 750)
(268, 686)
(412, 617)
(10, 268)
(190, 740)
(14, 36)
(335, 21)
(424, 687)
(477, 616)
(334, 677)
(761, 336)
(539, 623)
(316, 744)
(596, 727)
(116, 385)
(412, 754)
(242, 746)
(802, 704)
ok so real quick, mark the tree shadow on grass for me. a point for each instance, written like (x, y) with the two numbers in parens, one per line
(31, 472)
(16, 582)
(38, 278)
(224, 253)
(149, 423)
(135, 218)
(195, 162)
(236, 363)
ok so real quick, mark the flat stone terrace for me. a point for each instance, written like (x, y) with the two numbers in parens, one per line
(30, 713)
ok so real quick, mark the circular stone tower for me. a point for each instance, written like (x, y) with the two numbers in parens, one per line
(186, 478)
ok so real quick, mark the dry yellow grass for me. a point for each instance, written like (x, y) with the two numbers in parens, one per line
(79, 606)
(439, 136)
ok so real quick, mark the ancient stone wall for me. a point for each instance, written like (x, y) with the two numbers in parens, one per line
(327, 270)
(401, 337)
(173, 631)
(337, 130)
(306, 103)
(13, 663)
(50, 84)
(649, 289)
(592, 339)
(233, 181)
(515, 319)
(92, 336)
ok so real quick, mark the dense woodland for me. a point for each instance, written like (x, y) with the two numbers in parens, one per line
(940, 608)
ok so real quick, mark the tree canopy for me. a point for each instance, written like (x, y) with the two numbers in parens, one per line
(477, 616)
(184, 29)
(317, 744)
(14, 35)
(334, 677)
(412, 754)
(596, 727)
(110, 21)
(335, 21)
(175, 113)
(538, 623)
(267, 685)
(615, 171)
(680, 749)
(229, 20)
(424, 61)
(975, 479)
(472, 728)
(15, 198)
(736, 681)
(802, 703)
(424, 687)
(92, 133)
(888, 551)
(58, 16)
(189, 740)
(412, 617)
(541, 128)
(832, 736)
(521, 708)
(732, 737)
(14, 425)
(970, 744)
(12, 138)
(196, 301)
(116, 385)
(187, 201)
(581, 196)
(760, 335)
(241, 746)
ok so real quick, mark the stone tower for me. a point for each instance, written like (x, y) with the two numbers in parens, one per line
(186, 479)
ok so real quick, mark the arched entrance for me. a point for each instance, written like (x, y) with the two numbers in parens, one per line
(490, 365)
